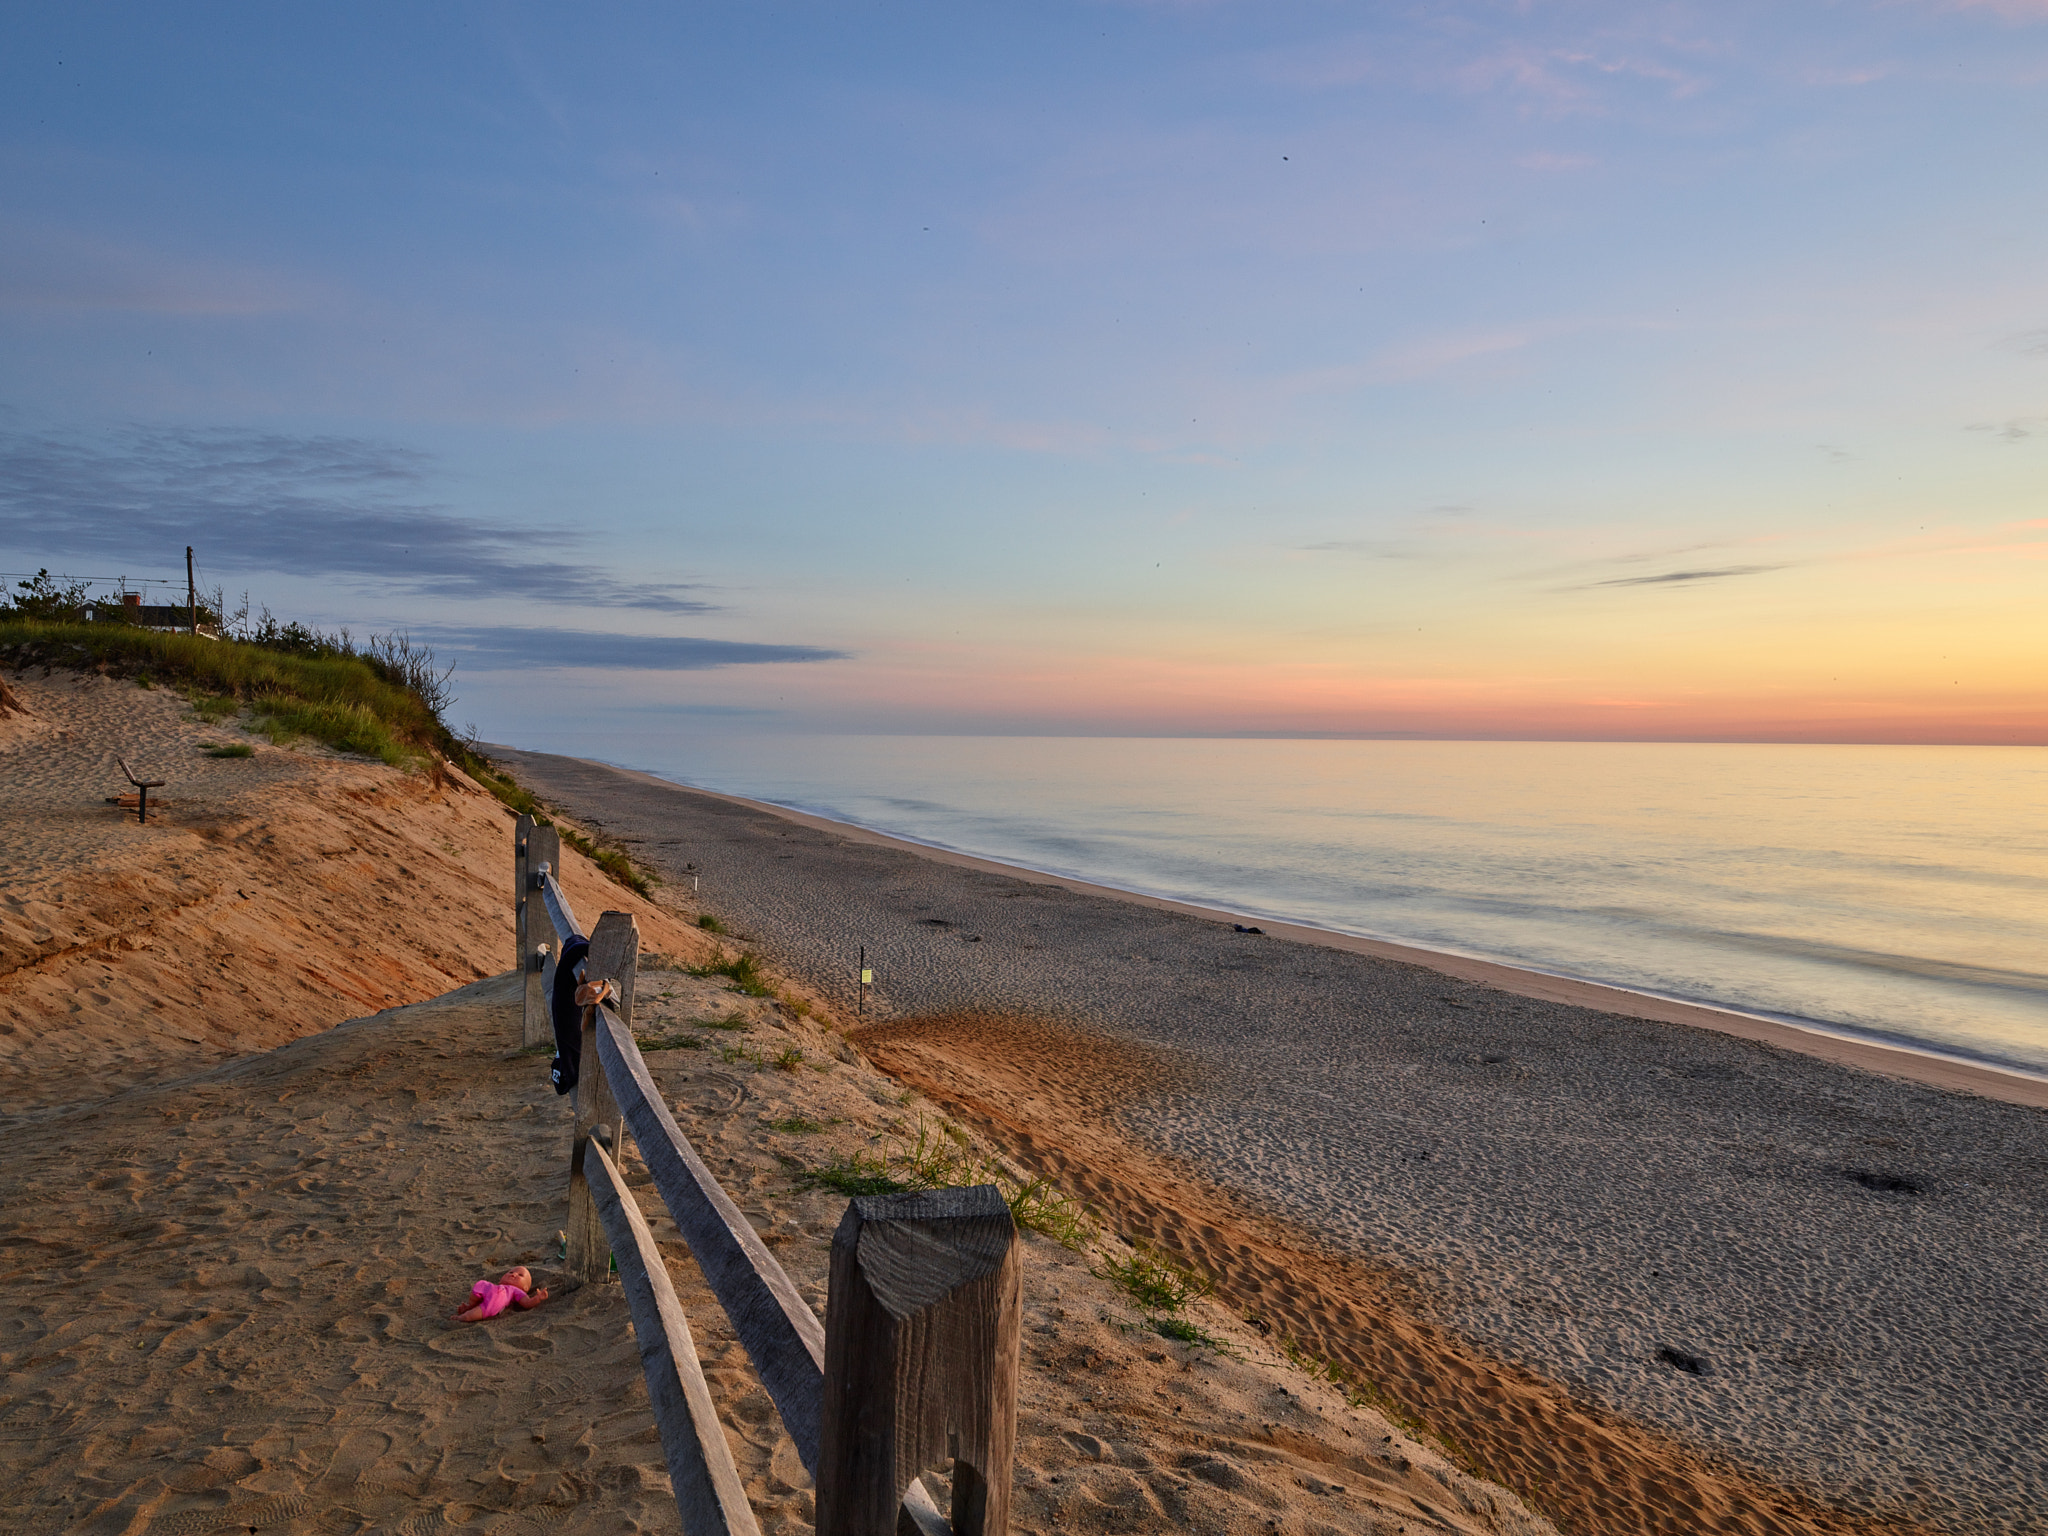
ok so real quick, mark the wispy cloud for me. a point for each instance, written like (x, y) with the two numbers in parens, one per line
(322, 506)
(43, 268)
(1679, 578)
(2016, 429)
(507, 648)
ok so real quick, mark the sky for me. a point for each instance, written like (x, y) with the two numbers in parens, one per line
(1579, 370)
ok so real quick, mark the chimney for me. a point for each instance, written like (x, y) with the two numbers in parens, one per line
(131, 599)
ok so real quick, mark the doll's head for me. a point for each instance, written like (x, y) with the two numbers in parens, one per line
(520, 1278)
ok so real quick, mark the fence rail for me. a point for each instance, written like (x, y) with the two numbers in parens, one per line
(913, 1375)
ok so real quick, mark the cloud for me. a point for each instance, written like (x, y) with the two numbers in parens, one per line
(2016, 430)
(307, 506)
(1680, 577)
(506, 648)
(45, 269)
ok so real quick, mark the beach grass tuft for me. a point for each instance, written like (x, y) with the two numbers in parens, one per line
(231, 749)
(744, 973)
(861, 1173)
(709, 923)
(1154, 1280)
(796, 1125)
(615, 862)
(790, 1060)
(735, 1020)
(677, 1042)
(1181, 1331)
(1037, 1204)
(939, 1160)
(344, 725)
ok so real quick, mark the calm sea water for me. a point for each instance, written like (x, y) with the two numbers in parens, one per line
(1900, 892)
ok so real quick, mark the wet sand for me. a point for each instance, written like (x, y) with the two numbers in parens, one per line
(1772, 1267)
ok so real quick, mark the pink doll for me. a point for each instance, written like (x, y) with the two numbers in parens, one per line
(514, 1290)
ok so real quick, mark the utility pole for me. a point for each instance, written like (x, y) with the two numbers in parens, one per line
(191, 594)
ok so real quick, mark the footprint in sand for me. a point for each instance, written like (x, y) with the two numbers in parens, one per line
(264, 1514)
(360, 1450)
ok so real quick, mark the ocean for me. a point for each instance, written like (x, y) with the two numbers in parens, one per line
(1899, 893)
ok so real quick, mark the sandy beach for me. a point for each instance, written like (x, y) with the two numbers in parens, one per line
(237, 1212)
(1731, 1285)
(269, 896)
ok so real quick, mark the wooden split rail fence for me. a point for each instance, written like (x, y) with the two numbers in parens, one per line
(917, 1359)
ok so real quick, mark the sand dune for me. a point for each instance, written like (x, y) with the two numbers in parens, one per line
(229, 1262)
(267, 897)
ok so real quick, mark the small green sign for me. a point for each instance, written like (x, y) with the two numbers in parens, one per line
(867, 978)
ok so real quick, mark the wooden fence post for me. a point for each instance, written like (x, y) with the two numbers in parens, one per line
(921, 1333)
(521, 830)
(543, 848)
(614, 956)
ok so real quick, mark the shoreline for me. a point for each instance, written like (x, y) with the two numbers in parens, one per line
(1924, 1065)
(1471, 1175)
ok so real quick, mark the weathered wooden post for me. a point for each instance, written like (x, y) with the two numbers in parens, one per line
(614, 956)
(921, 1333)
(521, 895)
(543, 851)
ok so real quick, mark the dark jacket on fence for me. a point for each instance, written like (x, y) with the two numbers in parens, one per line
(567, 1016)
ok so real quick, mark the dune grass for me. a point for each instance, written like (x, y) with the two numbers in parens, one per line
(930, 1162)
(613, 861)
(1155, 1281)
(354, 702)
(744, 973)
(344, 702)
